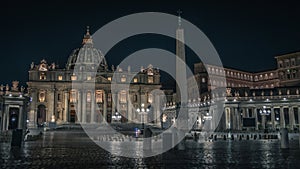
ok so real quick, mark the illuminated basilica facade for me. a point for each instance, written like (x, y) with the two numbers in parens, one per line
(60, 95)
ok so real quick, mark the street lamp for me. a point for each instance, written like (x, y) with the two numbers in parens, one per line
(264, 112)
(142, 111)
(116, 117)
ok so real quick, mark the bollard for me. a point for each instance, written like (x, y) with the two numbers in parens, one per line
(224, 137)
(284, 138)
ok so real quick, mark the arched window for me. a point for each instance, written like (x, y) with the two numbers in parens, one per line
(150, 98)
(43, 76)
(42, 95)
(99, 96)
(123, 96)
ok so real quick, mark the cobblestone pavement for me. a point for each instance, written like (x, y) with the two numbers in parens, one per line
(73, 149)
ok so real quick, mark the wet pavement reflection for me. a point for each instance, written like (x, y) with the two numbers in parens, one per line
(73, 149)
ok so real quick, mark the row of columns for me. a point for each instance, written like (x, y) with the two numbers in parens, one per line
(236, 121)
(81, 106)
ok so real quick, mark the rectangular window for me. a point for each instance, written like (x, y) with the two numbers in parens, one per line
(123, 79)
(135, 80)
(73, 96)
(150, 79)
(59, 77)
(109, 78)
(73, 77)
(42, 76)
(123, 97)
(293, 62)
(89, 78)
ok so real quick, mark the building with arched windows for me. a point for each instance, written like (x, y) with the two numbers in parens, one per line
(81, 92)
(257, 101)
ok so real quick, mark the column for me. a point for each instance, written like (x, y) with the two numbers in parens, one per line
(35, 116)
(282, 120)
(20, 119)
(247, 112)
(105, 106)
(79, 109)
(237, 114)
(212, 121)
(54, 104)
(263, 121)
(129, 108)
(156, 109)
(291, 118)
(83, 112)
(114, 102)
(299, 118)
(50, 104)
(273, 118)
(233, 119)
(66, 106)
(92, 106)
(7, 117)
(33, 109)
(3, 121)
(256, 119)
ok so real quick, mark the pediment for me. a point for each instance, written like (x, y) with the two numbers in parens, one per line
(101, 79)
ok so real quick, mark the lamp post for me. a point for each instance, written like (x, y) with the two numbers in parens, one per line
(116, 117)
(264, 112)
(142, 111)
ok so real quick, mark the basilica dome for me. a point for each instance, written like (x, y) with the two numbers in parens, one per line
(87, 57)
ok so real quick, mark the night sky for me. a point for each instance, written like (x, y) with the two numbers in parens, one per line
(246, 34)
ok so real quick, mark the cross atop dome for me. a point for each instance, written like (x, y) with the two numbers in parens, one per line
(87, 30)
(179, 17)
(87, 39)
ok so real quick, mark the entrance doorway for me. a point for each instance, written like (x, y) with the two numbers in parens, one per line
(41, 115)
(72, 116)
(13, 118)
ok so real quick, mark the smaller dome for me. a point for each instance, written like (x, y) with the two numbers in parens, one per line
(87, 57)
